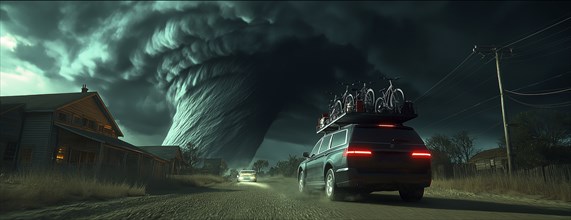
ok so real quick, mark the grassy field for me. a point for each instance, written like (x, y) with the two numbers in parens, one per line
(33, 190)
(40, 189)
(501, 184)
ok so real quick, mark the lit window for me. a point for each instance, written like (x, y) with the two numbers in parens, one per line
(60, 156)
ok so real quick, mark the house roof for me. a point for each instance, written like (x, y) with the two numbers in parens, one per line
(52, 102)
(165, 152)
(105, 139)
(489, 154)
(45, 102)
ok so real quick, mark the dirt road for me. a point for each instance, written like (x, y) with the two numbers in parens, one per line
(277, 198)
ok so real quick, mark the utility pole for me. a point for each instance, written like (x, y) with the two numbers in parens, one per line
(497, 52)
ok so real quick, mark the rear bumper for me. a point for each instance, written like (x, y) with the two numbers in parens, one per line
(251, 179)
(351, 178)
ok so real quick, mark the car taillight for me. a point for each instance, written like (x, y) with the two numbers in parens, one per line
(421, 154)
(357, 152)
(387, 125)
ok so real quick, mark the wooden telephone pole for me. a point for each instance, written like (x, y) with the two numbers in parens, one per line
(497, 52)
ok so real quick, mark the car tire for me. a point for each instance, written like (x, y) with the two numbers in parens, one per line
(332, 192)
(411, 194)
(301, 183)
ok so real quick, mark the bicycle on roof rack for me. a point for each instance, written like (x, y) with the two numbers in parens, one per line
(347, 100)
(391, 99)
(365, 99)
(335, 109)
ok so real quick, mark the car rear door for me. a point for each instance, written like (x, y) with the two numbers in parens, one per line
(392, 151)
(315, 165)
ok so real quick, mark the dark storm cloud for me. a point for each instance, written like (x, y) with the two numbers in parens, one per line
(137, 53)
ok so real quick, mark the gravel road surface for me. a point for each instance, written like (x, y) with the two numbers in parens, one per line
(277, 198)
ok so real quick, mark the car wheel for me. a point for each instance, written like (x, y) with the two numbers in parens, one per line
(301, 182)
(411, 194)
(331, 191)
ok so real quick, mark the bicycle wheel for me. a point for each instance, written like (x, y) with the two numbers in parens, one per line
(397, 100)
(349, 103)
(337, 110)
(370, 101)
(379, 105)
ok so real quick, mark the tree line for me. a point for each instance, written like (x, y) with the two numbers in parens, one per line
(537, 138)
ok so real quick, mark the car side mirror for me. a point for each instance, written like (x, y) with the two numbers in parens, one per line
(305, 154)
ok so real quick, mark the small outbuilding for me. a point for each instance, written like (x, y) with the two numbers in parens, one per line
(492, 159)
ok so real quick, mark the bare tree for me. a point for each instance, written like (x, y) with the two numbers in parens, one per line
(191, 154)
(443, 149)
(540, 137)
(465, 145)
(259, 165)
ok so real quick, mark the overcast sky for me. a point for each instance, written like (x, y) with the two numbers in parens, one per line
(154, 63)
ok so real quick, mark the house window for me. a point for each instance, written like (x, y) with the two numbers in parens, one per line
(61, 155)
(10, 151)
(76, 120)
(91, 124)
(84, 122)
(108, 130)
(62, 117)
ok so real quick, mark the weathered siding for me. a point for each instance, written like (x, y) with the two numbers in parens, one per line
(10, 130)
(36, 137)
(89, 109)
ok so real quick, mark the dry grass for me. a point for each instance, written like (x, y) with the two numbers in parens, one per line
(517, 185)
(38, 189)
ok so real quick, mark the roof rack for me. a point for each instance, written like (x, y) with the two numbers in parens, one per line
(364, 118)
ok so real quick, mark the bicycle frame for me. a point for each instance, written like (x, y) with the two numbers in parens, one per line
(388, 100)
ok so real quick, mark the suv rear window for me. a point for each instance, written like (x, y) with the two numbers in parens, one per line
(386, 135)
(247, 172)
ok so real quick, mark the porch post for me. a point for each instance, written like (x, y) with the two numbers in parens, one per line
(100, 158)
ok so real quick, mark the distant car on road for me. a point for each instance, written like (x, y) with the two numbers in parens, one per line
(247, 175)
(360, 159)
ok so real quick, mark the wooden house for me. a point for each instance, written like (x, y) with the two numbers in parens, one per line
(172, 154)
(492, 159)
(69, 131)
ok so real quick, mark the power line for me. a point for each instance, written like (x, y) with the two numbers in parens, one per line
(541, 39)
(447, 75)
(542, 81)
(464, 110)
(477, 86)
(476, 113)
(555, 105)
(487, 129)
(541, 50)
(519, 60)
(535, 33)
(536, 94)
